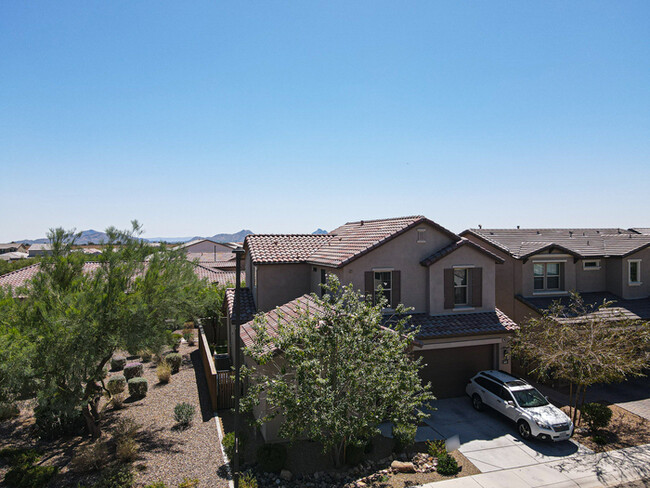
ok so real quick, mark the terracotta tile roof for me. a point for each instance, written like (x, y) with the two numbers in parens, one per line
(335, 249)
(620, 308)
(247, 304)
(218, 276)
(585, 243)
(461, 324)
(283, 248)
(284, 314)
(457, 245)
(211, 256)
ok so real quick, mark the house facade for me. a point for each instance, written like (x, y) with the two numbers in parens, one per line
(447, 281)
(544, 265)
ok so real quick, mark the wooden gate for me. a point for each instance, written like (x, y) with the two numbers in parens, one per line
(225, 389)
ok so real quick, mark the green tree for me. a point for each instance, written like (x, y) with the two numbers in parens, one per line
(582, 345)
(340, 372)
(74, 321)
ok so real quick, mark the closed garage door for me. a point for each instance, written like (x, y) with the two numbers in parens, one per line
(449, 370)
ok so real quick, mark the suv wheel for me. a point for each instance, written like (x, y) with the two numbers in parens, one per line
(477, 403)
(524, 429)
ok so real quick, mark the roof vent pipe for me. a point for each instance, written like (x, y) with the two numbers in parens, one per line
(517, 227)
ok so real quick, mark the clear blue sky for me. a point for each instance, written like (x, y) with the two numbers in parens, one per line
(285, 116)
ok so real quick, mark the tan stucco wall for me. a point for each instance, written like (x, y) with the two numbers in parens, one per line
(637, 291)
(591, 280)
(281, 283)
(527, 272)
(614, 275)
(207, 246)
(462, 257)
(402, 253)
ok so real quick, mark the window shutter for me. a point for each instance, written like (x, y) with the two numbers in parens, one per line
(396, 289)
(370, 286)
(562, 276)
(449, 288)
(476, 281)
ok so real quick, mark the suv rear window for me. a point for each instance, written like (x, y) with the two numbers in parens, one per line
(488, 385)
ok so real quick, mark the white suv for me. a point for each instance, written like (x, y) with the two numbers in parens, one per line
(520, 402)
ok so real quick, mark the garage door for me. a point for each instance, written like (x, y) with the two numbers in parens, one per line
(449, 370)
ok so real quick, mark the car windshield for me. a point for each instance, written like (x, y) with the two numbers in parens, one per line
(529, 398)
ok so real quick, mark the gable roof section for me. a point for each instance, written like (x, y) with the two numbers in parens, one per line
(445, 251)
(248, 308)
(580, 243)
(283, 248)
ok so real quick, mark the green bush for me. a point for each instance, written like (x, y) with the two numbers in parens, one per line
(404, 436)
(116, 384)
(56, 416)
(189, 483)
(8, 411)
(354, 452)
(118, 363)
(229, 445)
(447, 465)
(156, 484)
(29, 476)
(175, 341)
(183, 414)
(248, 481)
(271, 457)
(125, 428)
(145, 355)
(174, 360)
(133, 370)
(600, 438)
(138, 387)
(437, 448)
(596, 415)
(116, 478)
(15, 456)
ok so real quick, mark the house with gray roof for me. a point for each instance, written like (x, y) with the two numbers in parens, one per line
(543, 265)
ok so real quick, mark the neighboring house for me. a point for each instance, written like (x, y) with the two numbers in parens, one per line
(207, 246)
(39, 250)
(543, 265)
(447, 281)
(13, 247)
(13, 256)
(215, 255)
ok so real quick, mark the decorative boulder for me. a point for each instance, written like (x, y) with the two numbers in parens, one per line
(138, 387)
(133, 370)
(402, 467)
(116, 384)
(118, 363)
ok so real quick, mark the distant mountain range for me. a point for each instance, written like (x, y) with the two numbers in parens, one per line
(319, 231)
(96, 237)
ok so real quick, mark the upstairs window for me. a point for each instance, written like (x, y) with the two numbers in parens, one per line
(384, 280)
(461, 287)
(634, 271)
(547, 276)
(421, 238)
(593, 264)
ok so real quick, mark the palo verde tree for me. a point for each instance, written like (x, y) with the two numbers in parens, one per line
(583, 345)
(333, 372)
(75, 317)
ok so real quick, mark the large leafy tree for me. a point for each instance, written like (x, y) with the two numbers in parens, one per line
(74, 320)
(582, 345)
(339, 373)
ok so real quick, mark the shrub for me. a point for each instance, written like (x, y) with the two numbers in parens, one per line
(164, 371)
(175, 341)
(55, 417)
(133, 370)
(188, 335)
(404, 436)
(596, 415)
(447, 465)
(271, 457)
(189, 483)
(120, 477)
(229, 444)
(127, 449)
(600, 438)
(90, 458)
(116, 384)
(248, 481)
(354, 452)
(145, 355)
(183, 414)
(156, 484)
(118, 363)
(436, 448)
(8, 411)
(30, 476)
(174, 361)
(15, 456)
(125, 428)
(118, 401)
(138, 387)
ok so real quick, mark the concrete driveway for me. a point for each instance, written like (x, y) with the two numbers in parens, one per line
(489, 440)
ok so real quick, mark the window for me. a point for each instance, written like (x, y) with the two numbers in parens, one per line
(634, 272)
(546, 276)
(384, 279)
(421, 238)
(323, 280)
(591, 265)
(461, 286)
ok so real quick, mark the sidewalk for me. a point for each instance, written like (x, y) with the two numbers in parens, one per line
(583, 469)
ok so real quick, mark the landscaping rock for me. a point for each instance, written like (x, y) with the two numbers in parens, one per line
(285, 474)
(402, 467)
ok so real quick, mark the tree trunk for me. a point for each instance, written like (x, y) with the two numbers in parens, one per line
(91, 423)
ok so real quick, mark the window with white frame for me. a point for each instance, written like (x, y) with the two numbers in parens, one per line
(384, 280)
(546, 276)
(461, 287)
(634, 272)
(592, 264)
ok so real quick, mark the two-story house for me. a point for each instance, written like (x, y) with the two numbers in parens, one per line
(543, 265)
(447, 281)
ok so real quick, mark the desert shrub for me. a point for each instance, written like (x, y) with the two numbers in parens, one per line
(138, 387)
(600, 438)
(8, 411)
(248, 481)
(183, 414)
(447, 465)
(125, 428)
(404, 436)
(271, 457)
(15, 456)
(118, 401)
(174, 361)
(121, 477)
(145, 355)
(116, 384)
(90, 458)
(175, 341)
(596, 415)
(164, 371)
(127, 449)
(133, 370)
(188, 335)
(29, 476)
(118, 363)
(189, 483)
(436, 448)
(156, 484)
(229, 444)
(55, 417)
